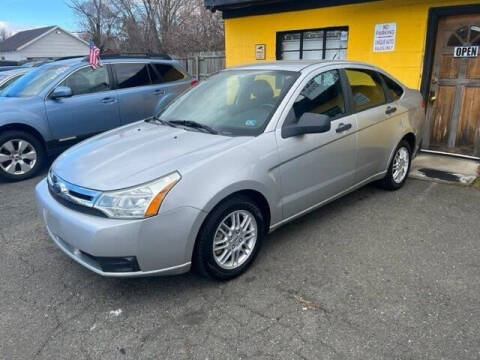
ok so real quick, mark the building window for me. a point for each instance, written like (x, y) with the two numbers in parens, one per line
(318, 44)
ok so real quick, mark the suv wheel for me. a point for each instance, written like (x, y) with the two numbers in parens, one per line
(21, 155)
(400, 166)
(230, 239)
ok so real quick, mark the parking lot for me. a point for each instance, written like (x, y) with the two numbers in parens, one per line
(375, 275)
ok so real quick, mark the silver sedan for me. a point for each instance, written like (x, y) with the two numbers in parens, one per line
(250, 149)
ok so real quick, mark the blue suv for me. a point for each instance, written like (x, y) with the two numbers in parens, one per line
(65, 101)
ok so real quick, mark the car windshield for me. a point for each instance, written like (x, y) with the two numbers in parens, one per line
(234, 103)
(34, 82)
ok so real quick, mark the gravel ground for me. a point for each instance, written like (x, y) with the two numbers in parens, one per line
(375, 275)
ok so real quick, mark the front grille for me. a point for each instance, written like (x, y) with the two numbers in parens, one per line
(80, 196)
(76, 207)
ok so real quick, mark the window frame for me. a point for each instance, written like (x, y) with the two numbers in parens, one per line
(387, 90)
(110, 78)
(152, 65)
(114, 74)
(283, 121)
(388, 100)
(279, 35)
(10, 80)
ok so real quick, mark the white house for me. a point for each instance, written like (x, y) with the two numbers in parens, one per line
(42, 43)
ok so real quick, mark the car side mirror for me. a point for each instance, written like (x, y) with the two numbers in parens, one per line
(309, 123)
(61, 92)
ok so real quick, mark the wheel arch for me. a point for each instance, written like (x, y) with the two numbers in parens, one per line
(26, 128)
(254, 195)
(411, 139)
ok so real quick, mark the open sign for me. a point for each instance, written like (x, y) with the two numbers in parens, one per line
(466, 51)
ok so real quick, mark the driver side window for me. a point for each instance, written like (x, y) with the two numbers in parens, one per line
(322, 95)
(88, 81)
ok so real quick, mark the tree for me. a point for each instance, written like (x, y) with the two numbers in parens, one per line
(97, 19)
(173, 26)
(4, 34)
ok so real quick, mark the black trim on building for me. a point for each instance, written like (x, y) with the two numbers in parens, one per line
(434, 15)
(279, 34)
(240, 8)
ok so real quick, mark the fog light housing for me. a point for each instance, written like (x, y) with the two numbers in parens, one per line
(116, 264)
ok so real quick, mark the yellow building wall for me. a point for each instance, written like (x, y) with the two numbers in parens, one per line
(405, 62)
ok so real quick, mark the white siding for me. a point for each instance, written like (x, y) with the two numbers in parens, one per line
(55, 44)
(11, 55)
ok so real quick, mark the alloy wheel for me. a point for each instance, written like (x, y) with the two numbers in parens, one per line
(235, 239)
(401, 164)
(17, 157)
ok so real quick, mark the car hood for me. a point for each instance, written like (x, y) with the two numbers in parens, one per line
(136, 154)
(16, 101)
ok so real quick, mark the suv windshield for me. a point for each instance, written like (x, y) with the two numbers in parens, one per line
(234, 103)
(34, 82)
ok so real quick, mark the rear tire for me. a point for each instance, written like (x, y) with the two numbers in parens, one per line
(399, 167)
(236, 245)
(22, 155)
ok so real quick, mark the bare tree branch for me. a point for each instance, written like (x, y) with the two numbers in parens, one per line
(173, 26)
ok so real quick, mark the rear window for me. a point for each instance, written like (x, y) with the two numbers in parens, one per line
(393, 89)
(131, 75)
(164, 73)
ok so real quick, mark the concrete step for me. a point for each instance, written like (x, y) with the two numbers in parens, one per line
(445, 169)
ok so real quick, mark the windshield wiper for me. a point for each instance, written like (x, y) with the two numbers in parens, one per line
(195, 125)
(161, 121)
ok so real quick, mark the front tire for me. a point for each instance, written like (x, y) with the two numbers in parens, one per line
(229, 239)
(399, 167)
(21, 155)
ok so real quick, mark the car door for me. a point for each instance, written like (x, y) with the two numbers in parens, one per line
(171, 82)
(137, 95)
(316, 167)
(92, 108)
(374, 115)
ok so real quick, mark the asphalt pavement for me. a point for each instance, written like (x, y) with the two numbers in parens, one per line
(375, 275)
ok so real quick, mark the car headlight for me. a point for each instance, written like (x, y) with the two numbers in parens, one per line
(137, 202)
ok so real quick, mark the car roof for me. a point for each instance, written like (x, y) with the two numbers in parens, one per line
(83, 60)
(296, 65)
(16, 71)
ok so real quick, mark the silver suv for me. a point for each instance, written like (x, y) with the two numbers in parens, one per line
(231, 160)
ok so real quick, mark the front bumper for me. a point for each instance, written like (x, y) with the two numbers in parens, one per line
(162, 245)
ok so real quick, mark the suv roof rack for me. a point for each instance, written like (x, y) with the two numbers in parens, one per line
(135, 55)
(70, 57)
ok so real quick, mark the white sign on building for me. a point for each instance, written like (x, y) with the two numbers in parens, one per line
(384, 39)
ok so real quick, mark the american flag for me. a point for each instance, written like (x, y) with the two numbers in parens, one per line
(94, 55)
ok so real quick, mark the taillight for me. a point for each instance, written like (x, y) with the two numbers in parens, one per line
(423, 104)
(194, 82)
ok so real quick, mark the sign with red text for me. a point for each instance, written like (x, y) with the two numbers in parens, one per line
(384, 39)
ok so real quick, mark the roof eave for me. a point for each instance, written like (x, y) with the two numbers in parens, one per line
(241, 8)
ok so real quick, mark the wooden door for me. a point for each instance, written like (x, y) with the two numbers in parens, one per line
(453, 113)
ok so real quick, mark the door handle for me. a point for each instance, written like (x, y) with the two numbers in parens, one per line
(390, 110)
(160, 92)
(343, 127)
(108, 100)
